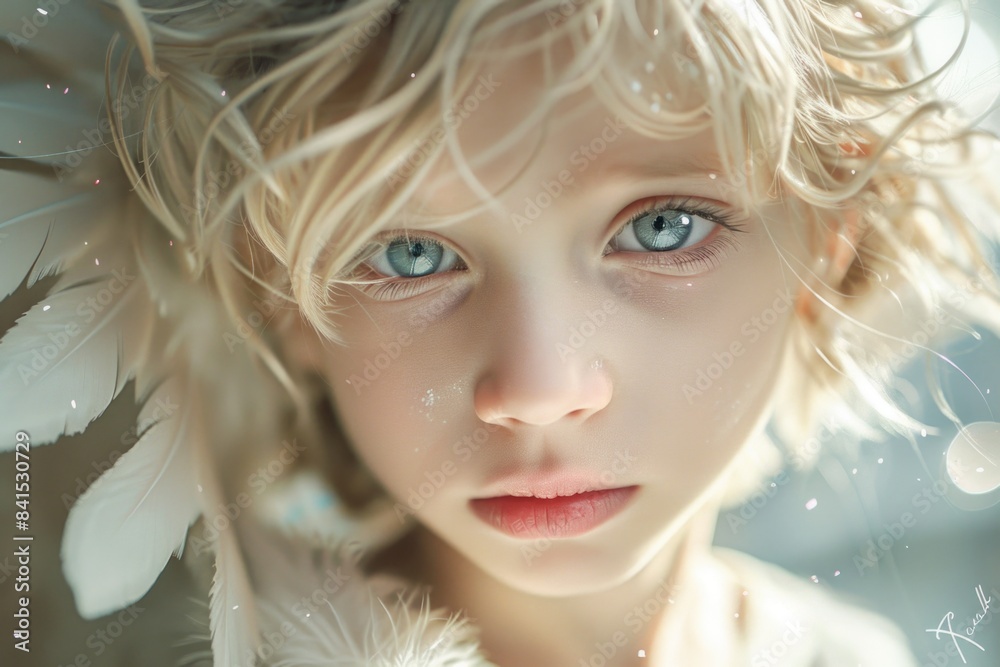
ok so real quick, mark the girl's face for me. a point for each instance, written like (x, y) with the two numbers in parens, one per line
(542, 352)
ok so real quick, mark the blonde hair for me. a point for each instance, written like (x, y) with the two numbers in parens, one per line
(328, 117)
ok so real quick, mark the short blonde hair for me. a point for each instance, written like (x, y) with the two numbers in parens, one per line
(328, 115)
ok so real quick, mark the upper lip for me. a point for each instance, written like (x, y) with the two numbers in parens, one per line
(547, 484)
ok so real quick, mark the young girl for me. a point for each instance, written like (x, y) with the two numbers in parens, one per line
(455, 324)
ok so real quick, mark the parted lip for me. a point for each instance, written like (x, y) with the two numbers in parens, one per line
(566, 516)
(552, 483)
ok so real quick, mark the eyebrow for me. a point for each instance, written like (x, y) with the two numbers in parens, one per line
(673, 166)
(666, 165)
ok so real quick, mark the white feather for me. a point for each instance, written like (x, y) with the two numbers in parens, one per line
(38, 241)
(232, 609)
(232, 612)
(121, 532)
(70, 355)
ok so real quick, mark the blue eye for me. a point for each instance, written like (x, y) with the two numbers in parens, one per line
(660, 230)
(413, 257)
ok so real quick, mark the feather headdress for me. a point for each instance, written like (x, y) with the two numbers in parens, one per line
(121, 308)
(123, 305)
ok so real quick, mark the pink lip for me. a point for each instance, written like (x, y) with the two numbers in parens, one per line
(561, 516)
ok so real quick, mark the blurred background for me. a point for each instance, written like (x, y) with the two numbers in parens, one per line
(840, 525)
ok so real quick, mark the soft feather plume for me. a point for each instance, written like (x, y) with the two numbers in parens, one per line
(71, 354)
(40, 240)
(121, 532)
(232, 611)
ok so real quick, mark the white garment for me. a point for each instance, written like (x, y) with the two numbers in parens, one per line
(732, 611)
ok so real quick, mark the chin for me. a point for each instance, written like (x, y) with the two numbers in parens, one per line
(565, 567)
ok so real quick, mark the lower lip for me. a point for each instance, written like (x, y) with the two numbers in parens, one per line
(563, 516)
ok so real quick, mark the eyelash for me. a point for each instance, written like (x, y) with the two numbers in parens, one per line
(686, 261)
(691, 260)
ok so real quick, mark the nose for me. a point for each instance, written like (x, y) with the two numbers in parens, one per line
(535, 376)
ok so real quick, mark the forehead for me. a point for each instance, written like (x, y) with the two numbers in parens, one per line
(509, 137)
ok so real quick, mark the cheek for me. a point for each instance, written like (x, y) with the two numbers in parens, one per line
(700, 389)
(393, 401)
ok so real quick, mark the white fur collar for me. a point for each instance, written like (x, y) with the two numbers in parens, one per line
(317, 607)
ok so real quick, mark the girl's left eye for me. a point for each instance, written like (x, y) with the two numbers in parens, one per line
(413, 257)
(672, 227)
(661, 230)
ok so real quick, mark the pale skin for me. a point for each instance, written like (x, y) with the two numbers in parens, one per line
(493, 361)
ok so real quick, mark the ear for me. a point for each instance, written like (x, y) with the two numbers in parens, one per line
(841, 235)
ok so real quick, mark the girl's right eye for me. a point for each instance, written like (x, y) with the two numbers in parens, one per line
(413, 257)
